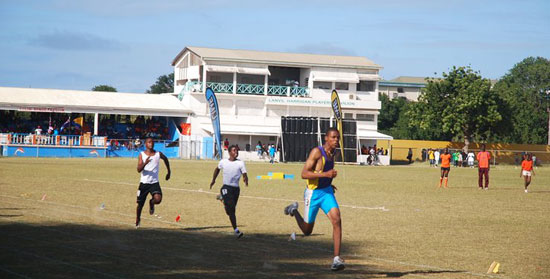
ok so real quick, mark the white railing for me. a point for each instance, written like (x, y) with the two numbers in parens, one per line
(55, 140)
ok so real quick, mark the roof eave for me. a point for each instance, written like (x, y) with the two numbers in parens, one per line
(180, 54)
(375, 66)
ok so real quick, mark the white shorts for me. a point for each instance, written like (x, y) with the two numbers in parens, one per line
(526, 173)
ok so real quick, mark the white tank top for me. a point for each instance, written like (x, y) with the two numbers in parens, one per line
(150, 173)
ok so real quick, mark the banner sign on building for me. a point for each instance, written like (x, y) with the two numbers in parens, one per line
(337, 109)
(215, 118)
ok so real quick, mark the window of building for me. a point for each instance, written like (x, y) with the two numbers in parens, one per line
(348, 115)
(366, 85)
(322, 85)
(400, 90)
(341, 86)
(365, 117)
(215, 78)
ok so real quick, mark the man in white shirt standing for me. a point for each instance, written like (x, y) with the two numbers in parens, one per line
(233, 169)
(471, 158)
(148, 166)
(437, 154)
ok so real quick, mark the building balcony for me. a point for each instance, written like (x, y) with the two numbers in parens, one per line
(249, 89)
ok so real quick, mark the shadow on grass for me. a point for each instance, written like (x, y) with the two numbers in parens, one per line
(63, 250)
(423, 272)
(208, 227)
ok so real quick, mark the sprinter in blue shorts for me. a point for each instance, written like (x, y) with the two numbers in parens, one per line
(319, 172)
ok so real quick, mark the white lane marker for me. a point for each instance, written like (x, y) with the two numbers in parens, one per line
(381, 208)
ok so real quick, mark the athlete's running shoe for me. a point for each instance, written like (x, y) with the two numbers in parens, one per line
(291, 209)
(151, 207)
(239, 234)
(337, 264)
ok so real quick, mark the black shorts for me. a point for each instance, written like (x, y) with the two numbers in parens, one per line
(230, 197)
(446, 169)
(146, 188)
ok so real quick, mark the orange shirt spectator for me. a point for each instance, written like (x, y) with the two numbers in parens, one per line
(483, 158)
(527, 165)
(445, 160)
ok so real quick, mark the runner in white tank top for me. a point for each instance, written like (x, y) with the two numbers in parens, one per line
(148, 166)
(233, 169)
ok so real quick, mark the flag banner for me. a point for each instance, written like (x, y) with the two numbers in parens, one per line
(215, 117)
(79, 121)
(337, 109)
(70, 123)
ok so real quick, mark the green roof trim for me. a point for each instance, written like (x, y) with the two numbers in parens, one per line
(401, 84)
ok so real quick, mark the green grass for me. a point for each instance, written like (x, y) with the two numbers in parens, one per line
(423, 231)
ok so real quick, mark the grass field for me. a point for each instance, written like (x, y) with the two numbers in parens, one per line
(396, 224)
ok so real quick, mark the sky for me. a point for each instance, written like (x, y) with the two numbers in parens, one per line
(71, 44)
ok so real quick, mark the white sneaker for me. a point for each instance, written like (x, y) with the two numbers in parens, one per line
(291, 208)
(526, 191)
(337, 264)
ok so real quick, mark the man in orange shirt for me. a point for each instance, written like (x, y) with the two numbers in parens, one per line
(483, 158)
(527, 170)
(445, 167)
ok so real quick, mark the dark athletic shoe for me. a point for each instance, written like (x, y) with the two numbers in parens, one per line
(151, 207)
(239, 234)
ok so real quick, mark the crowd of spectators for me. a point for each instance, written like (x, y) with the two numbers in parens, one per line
(140, 128)
(112, 126)
(37, 123)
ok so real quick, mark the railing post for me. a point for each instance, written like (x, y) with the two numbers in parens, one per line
(265, 85)
(288, 91)
(234, 83)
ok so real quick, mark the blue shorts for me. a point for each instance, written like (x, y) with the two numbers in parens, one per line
(319, 198)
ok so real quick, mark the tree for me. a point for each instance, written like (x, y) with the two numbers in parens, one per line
(524, 90)
(164, 84)
(389, 112)
(106, 88)
(461, 104)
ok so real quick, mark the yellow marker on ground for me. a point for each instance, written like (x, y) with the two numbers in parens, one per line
(494, 267)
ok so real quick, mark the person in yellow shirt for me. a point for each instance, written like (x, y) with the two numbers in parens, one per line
(445, 167)
(483, 157)
(431, 157)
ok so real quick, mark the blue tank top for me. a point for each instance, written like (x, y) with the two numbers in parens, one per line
(323, 182)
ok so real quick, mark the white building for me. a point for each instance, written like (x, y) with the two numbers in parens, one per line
(403, 87)
(256, 88)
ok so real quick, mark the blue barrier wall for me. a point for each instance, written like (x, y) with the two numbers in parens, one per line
(51, 151)
(81, 152)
